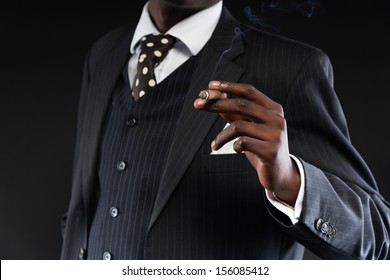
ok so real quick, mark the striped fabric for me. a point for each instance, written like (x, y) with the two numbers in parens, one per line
(213, 206)
(135, 144)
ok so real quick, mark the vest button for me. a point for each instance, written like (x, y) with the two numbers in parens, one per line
(106, 256)
(114, 212)
(121, 166)
(131, 122)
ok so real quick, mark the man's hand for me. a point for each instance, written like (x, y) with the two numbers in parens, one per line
(261, 128)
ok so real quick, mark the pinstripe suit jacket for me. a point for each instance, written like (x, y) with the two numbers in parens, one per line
(213, 207)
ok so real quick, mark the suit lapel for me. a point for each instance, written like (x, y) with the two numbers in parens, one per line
(193, 126)
(106, 73)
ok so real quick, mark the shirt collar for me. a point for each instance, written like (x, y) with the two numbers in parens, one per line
(201, 24)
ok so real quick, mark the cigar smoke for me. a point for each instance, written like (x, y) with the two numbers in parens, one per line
(268, 8)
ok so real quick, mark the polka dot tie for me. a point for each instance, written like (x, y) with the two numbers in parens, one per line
(154, 48)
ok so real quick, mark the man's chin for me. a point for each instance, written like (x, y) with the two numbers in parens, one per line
(191, 4)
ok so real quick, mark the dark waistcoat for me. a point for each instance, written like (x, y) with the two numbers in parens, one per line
(134, 148)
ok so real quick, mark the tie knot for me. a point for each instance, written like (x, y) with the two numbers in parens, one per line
(155, 46)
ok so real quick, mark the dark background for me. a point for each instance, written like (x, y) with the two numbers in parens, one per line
(42, 51)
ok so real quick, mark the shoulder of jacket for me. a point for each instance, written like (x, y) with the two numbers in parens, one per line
(279, 41)
(111, 39)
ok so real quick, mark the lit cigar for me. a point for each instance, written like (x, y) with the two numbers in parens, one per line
(212, 94)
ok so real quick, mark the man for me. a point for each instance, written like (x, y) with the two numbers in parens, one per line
(267, 170)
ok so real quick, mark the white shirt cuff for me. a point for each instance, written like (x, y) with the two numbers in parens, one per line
(295, 213)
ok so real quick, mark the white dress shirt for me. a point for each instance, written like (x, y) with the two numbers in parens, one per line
(189, 44)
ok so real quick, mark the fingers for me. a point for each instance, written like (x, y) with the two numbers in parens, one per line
(237, 106)
(256, 119)
(247, 92)
(246, 101)
(237, 129)
(233, 117)
(249, 144)
(253, 137)
(259, 124)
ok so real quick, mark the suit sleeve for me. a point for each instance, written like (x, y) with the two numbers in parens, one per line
(343, 214)
(79, 131)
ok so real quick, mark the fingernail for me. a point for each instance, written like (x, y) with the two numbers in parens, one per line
(215, 83)
(223, 85)
(201, 102)
(213, 145)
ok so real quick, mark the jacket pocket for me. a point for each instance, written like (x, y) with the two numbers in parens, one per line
(228, 163)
